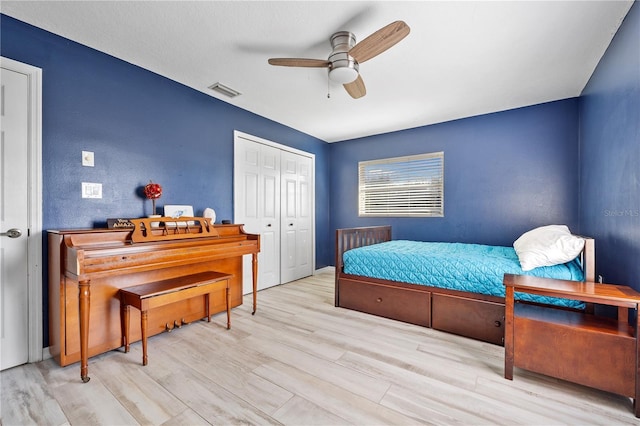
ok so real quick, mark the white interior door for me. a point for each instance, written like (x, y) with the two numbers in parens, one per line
(14, 140)
(296, 242)
(257, 206)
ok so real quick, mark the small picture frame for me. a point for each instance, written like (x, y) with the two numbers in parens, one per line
(176, 211)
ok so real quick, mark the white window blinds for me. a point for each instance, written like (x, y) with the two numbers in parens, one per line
(402, 186)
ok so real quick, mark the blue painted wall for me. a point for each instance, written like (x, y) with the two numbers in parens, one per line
(610, 156)
(505, 173)
(141, 127)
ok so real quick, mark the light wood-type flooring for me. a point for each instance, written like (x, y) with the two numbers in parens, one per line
(301, 361)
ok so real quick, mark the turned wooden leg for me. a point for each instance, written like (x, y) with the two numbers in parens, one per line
(254, 269)
(143, 327)
(84, 306)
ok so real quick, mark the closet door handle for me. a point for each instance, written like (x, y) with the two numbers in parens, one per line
(268, 225)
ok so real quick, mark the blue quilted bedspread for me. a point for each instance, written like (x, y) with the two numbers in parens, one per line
(467, 267)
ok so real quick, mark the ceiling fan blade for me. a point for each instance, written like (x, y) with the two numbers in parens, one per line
(356, 88)
(300, 62)
(379, 41)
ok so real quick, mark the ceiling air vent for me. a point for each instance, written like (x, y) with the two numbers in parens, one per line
(227, 91)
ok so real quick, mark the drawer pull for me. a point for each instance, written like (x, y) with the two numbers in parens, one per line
(379, 299)
(497, 323)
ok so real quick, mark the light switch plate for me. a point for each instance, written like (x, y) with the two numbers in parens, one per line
(91, 190)
(87, 158)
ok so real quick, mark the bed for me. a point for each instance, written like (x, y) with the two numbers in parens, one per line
(429, 293)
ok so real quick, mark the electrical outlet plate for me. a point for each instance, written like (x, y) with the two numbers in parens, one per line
(91, 190)
(87, 159)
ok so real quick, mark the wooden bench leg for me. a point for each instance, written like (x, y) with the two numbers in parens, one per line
(126, 313)
(228, 307)
(143, 326)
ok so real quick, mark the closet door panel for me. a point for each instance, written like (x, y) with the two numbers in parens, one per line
(289, 247)
(296, 261)
(257, 206)
(250, 195)
(270, 209)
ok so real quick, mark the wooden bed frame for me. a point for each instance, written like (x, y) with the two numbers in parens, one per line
(468, 314)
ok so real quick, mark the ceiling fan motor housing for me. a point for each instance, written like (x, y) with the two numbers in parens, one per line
(344, 68)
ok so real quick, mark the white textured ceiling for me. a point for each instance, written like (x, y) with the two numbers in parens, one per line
(461, 58)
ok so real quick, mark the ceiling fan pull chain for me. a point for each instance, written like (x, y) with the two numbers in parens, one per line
(328, 87)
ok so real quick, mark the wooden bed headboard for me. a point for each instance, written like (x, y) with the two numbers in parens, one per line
(349, 238)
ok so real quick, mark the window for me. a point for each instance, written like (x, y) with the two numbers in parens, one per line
(402, 186)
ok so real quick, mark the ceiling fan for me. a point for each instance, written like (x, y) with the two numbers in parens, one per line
(345, 59)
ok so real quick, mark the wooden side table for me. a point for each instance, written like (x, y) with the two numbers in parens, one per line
(583, 348)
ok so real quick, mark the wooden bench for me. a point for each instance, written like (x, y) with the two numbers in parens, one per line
(159, 293)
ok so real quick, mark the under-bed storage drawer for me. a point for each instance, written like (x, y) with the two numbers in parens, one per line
(477, 319)
(401, 304)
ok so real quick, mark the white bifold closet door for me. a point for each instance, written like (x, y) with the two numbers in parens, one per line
(273, 197)
(295, 217)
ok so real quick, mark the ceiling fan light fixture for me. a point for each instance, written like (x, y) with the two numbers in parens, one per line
(344, 69)
(343, 75)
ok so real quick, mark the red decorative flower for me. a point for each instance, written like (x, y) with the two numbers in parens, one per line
(152, 191)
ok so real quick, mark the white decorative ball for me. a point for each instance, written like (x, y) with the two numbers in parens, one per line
(210, 214)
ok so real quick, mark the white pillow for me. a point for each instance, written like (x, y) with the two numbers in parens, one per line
(547, 246)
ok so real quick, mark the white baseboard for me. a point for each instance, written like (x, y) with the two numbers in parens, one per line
(326, 269)
(46, 353)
